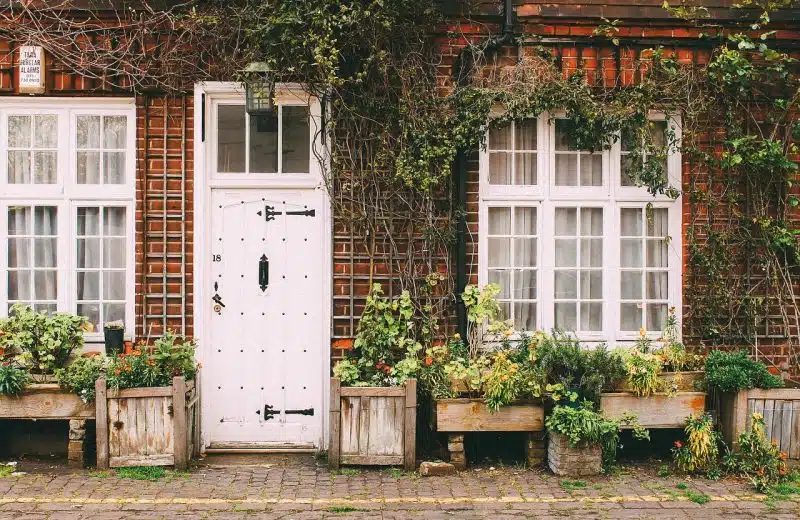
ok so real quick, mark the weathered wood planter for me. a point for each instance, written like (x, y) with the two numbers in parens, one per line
(459, 416)
(655, 411)
(684, 381)
(157, 426)
(581, 460)
(47, 401)
(780, 408)
(373, 425)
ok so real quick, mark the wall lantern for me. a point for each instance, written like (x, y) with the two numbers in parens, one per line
(259, 89)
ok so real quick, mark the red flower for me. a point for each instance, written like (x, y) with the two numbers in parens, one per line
(428, 361)
(678, 444)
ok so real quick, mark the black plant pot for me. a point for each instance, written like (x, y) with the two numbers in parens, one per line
(115, 341)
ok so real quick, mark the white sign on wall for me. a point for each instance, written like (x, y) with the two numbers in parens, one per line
(31, 69)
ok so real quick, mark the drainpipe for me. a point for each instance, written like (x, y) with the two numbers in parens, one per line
(462, 72)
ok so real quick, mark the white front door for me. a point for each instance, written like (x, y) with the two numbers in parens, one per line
(266, 294)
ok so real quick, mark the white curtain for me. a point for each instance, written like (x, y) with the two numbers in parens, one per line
(88, 256)
(591, 278)
(45, 276)
(19, 253)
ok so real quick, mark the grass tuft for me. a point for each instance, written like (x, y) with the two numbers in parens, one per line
(571, 485)
(6, 470)
(343, 509)
(151, 473)
(698, 498)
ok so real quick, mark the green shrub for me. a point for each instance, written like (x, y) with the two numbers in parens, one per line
(42, 342)
(701, 450)
(80, 376)
(758, 459)
(734, 371)
(12, 379)
(171, 356)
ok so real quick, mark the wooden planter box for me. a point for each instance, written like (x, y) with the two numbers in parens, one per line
(47, 401)
(373, 426)
(156, 426)
(686, 381)
(458, 416)
(581, 460)
(655, 411)
(780, 408)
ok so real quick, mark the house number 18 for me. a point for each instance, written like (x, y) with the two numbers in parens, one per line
(216, 258)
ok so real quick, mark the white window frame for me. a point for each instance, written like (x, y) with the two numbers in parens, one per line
(285, 95)
(611, 197)
(67, 195)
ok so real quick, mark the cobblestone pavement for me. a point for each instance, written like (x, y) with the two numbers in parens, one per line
(227, 488)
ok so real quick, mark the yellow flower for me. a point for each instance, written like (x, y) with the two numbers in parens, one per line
(642, 332)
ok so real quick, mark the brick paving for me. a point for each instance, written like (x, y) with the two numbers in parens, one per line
(295, 487)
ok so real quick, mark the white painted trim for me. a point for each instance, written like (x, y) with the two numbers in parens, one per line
(205, 181)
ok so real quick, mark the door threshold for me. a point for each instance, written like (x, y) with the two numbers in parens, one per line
(260, 447)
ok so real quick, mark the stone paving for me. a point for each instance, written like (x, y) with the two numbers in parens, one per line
(295, 487)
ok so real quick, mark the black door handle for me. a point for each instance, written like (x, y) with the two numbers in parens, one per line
(263, 273)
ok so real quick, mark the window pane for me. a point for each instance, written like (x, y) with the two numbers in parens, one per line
(113, 285)
(591, 170)
(296, 139)
(113, 312)
(591, 252)
(88, 252)
(525, 169)
(92, 312)
(499, 221)
(113, 167)
(631, 220)
(631, 285)
(503, 279)
(499, 252)
(566, 221)
(264, 143)
(45, 131)
(524, 252)
(630, 316)
(566, 252)
(566, 170)
(19, 131)
(45, 166)
(525, 221)
(592, 222)
(19, 167)
(657, 284)
(88, 221)
(115, 132)
(626, 165)
(499, 168)
(658, 223)
(88, 285)
(44, 252)
(591, 285)
(525, 316)
(230, 138)
(114, 222)
(19, 220)
(657, 253)
(88, 131)
(525, 133)
(524, 284)
(19, 285)
(45, 221)
(114, 253)
(19, 252)
(88, 167)
(562, 141)
(592, 316)
(566, 317)
(656, 314)
(658, 134)
(630, 252)
(44, 284)
(566, 285)
(500, 137)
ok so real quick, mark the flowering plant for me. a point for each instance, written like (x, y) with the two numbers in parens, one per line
(757, 458)
(701, 450)
(170, 356)
(81, 374)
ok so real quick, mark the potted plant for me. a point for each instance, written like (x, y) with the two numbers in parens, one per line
(157, 384)
(742, 386)
(581, 441)
(373, 391)
(114, 336)
(663, 385)
(35, 347)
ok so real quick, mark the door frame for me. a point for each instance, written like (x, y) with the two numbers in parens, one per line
(204, 95)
